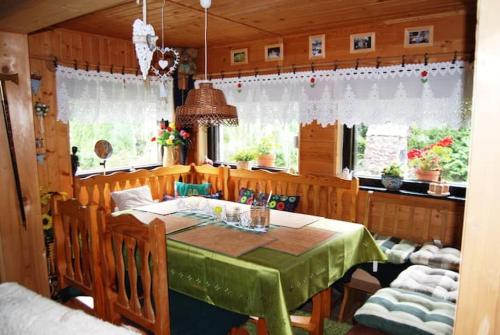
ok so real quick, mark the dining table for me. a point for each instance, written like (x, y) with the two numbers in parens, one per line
(267, 281)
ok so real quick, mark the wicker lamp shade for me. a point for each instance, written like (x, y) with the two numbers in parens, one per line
(206, 106)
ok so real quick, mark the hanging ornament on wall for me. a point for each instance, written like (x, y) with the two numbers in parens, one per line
(144, 39)
(167, 60)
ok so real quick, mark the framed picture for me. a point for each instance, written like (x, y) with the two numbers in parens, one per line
(419, 37)
(273, 52)
(363, 42)
(317, 46)
(239, 56)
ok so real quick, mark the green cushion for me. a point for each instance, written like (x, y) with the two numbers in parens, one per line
(188, 190)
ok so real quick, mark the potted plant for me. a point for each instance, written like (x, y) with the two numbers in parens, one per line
(265, 151)
(243, 158)
(428, 161)
(392, 177)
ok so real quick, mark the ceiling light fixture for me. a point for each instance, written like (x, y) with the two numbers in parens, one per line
(206, 105)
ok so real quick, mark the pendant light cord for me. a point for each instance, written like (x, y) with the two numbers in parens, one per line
(162, 26)
(206, 26)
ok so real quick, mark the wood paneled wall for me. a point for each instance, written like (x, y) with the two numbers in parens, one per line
(68, 46)
(22, 252)
(453, 31)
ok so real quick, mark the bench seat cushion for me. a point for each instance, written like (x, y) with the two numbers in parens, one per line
(397, 251)
(401, 312)
(444, 258)
(439, 283)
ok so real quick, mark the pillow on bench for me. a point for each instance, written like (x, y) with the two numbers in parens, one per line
(132, 197)
(397, 311)
(432, 255)
(439, 283)
(397, 251)
(188, 190)
(286, 203)
(246, 196)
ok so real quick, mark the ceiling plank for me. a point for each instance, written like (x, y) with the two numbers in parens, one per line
(26, 16)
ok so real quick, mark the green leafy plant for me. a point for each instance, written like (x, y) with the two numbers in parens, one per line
(266, 146)
(244, 155)
(392, 170)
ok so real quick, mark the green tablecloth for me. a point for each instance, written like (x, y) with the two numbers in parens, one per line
(265, 282)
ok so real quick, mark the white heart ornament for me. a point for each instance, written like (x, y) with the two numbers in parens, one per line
(163, 64)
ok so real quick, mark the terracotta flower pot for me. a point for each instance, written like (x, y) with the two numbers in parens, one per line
(243, 165)
(266, 160)
(432, 175)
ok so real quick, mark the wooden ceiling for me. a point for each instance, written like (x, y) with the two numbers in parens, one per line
(26, 16)
(232, 21)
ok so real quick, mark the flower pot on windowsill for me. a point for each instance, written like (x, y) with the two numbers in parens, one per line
(427, 175)
(245, 165)
(392, 183)
(266, 160)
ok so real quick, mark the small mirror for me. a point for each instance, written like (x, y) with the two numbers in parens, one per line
(103, 149)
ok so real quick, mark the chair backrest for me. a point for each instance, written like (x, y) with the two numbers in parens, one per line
(136, 272)
(78, 249)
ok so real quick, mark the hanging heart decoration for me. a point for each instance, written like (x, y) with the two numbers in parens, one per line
(163, 69)
(144, 39)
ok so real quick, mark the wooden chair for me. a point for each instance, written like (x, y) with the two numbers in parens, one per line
(78, 254)
(137, 290)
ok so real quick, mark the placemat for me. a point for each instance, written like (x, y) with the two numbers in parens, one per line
(223, 240)
(292, 220)
(297, 241)
(161, 208)
(172, 223)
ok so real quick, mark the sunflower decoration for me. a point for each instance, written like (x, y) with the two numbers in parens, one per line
(46, 221)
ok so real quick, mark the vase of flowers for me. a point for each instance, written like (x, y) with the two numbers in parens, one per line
(428, 161)
(172, 139)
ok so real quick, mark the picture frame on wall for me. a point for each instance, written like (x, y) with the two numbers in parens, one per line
(239, 56)
(364, 42)
(317, 47)
(419, 37)
(273, 52)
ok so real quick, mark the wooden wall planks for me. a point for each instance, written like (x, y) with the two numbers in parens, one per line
(453, 31)
(22, 252)
(69, 46)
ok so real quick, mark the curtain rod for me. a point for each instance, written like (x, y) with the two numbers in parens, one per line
(86, 65)
(335, 64)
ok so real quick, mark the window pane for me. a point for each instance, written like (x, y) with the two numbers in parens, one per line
(378, 146)
(131, 143)
(248, 136)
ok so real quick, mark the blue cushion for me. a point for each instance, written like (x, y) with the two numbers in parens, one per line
(188, 190)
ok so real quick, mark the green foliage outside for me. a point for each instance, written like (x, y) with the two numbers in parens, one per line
(454, 169)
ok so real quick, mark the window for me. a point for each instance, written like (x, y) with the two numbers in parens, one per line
(283, 138)
(131, 144)
(377, 146)
(122, 109)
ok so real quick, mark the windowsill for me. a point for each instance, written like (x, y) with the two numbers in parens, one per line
(412, 188)
(271, 169)
(87, 173)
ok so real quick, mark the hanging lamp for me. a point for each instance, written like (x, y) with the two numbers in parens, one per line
(206, 105)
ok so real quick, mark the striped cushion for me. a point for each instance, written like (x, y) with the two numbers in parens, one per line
(441, 284)
(444, 258)
(397, 251)
(400, 312)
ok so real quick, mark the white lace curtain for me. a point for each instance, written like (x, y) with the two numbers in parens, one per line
(96, 97)
(426, 96)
